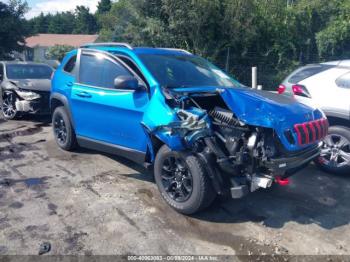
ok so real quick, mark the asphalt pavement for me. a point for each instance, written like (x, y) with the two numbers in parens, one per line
(88, 203)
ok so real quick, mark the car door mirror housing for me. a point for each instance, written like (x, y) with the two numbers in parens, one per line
(127, 83)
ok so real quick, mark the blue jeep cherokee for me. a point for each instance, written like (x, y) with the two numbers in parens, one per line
(204, 133)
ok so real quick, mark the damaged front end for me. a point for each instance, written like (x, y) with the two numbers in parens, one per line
(27, 100)
(239, 157)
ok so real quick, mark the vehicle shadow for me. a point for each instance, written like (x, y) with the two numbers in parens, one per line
(313, 197)
(37, 119)
(141, 173)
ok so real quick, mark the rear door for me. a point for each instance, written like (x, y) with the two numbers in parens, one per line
(102, 113)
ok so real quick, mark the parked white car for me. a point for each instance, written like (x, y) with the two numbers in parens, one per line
(327, 86)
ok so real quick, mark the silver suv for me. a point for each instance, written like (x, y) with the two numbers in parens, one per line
(327, 86)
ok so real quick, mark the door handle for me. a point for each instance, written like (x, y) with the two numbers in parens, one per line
(84, 94)
(69, 84)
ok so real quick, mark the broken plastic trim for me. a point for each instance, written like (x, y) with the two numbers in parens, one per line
(191, 127)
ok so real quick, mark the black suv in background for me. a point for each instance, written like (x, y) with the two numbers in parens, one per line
(24, 88)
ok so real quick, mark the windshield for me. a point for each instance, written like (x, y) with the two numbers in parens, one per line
(28, 71)
(185, 71)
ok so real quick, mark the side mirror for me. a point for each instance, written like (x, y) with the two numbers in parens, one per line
(127, 83)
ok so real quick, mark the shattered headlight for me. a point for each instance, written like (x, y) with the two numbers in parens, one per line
(27, 95)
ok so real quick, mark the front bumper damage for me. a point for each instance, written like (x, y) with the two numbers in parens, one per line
(279, 165)
(279, 171)
(36, 106)
(241, 150)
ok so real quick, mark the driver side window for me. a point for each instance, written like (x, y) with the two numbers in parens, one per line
(100, 71)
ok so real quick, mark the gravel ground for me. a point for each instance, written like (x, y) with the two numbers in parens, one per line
(87, 203)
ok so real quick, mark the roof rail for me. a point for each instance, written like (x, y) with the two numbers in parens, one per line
(109, 44)
(177, 49)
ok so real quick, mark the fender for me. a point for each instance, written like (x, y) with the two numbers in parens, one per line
(6, 86)
(337, 114)
(65, 103)
(156, 138)
(157, 106)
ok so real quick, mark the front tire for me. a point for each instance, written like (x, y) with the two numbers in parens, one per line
(63, 130)
(183, 181)
(335, 154)
(8, 106)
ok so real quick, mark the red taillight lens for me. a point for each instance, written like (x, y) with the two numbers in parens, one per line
(281, 89)
(298, 89)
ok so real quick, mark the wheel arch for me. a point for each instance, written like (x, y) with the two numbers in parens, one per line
(57, 100)
(155, 140)
(338, 121)
(154, 143)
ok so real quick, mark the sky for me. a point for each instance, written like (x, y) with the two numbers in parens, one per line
(53, 6)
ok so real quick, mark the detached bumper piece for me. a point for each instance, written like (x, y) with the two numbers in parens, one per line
(280, 165)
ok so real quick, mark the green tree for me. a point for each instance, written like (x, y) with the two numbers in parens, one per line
(39, 24)
(13, 28)
(334, 39)
(104, 6)
(275, 35)
(58, 52)
(85, 22)
(61, 23)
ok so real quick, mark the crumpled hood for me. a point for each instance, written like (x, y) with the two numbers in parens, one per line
(261, 108)
(33, 84)
(267, 109)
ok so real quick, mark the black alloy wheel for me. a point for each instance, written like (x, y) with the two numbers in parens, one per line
(183, 181)
(176, 178)
(60, 129)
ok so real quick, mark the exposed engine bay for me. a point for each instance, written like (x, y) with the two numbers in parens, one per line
(243, 156)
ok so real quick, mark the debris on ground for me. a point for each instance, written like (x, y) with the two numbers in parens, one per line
(44, 248)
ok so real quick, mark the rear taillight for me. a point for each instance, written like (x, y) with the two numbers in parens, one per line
(297, 89)
(281, 89)
(300, 90)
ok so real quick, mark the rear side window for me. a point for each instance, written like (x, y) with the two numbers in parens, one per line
(307, 72)
(343, 81)
(100, 72)
(70, 65)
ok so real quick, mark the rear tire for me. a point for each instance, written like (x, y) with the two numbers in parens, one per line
(186, 174)
(335, 156)
(63, 130)
(8, 106)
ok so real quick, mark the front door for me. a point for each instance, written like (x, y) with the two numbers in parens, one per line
(103, 113)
